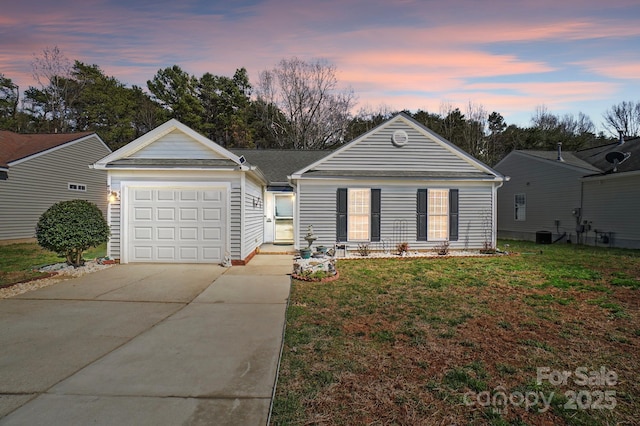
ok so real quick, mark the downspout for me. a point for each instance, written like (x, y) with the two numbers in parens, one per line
(579, 217)
(296, 211)
(494, 203)
(243, 184)
(109, 215)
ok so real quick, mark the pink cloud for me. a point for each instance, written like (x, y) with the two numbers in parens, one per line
(614, 68)
(383, 50)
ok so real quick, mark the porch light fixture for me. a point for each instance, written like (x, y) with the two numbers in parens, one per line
(113, 196)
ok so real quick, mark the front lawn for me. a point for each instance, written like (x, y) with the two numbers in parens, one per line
(18, 262)
(465, 340)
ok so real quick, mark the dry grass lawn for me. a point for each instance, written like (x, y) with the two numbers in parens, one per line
(440, 341)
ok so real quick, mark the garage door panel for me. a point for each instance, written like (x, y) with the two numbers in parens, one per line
(189, 254)
(212, 195)
(143, 233)
(211, 214)
(166, 195)
(188, 234)
(212, 234)
(177, 225)
(166, 213)
(143, 213)
(188, 195)
(143, 253)
(190, 214)
(211, 253)
(142, 195)
(165, 233)
(166, 253)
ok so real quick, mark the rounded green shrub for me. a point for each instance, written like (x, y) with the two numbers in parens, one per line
(71, 227)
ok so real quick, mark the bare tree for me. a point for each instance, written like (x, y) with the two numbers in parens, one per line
(623, 117)
(543, 119)
(475, 131)
(53, 72)
(303, 104)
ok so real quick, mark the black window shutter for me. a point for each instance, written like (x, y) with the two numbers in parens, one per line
(375, 215)
(421, 215)
(341, 215)
(453, 215)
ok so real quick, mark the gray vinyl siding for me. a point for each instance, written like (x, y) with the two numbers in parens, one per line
(612, 205)
(35, 184)
(398, 213)
(552, 192)
(235, 209)
(376, 152)
(176, 145)
(113, 247)
(253, 217)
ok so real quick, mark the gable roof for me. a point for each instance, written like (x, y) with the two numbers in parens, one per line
(278, 164)
(207, 154)
(592, 160)
(422, 154)
(570, 159)
(15, 146)
(597, 156)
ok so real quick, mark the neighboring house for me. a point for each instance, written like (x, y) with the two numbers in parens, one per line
(39, 170)
(585, 196)
(182, 198)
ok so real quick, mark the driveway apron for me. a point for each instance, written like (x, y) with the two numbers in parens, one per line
(146, 345)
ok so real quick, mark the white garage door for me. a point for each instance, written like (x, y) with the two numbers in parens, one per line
(182, 225)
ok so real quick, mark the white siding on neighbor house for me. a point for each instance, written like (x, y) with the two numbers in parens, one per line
(35, 184)
(376, 152)
(182, 176)
(398, 221)
(253, 217)
(611, 204)
(552, 191)
(176, 145)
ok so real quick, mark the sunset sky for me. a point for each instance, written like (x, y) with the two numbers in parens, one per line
(508, 56)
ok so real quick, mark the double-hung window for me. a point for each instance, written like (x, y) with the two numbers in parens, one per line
(358, 214)
(438, 214)
(359, 211)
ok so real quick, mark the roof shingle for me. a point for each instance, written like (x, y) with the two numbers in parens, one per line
(16, 146)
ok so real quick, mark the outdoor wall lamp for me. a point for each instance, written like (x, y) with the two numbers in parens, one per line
(113, 196)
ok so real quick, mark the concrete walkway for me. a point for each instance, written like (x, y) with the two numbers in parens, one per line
(146, 345)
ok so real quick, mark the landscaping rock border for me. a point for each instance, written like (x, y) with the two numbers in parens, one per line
(56, 273)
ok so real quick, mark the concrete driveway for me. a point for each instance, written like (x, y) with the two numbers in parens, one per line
(146, 345)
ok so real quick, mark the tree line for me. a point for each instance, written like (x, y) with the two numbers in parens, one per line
(295, 105)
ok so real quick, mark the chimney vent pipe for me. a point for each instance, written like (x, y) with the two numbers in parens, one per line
(560, 152)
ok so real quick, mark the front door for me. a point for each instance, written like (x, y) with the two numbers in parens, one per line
(283, 215)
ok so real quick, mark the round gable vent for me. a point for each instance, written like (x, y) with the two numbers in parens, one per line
(400, 138)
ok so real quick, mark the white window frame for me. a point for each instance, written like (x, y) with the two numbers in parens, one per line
(352, 217)
(80, 187)
(520, 207)
(437, 214)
